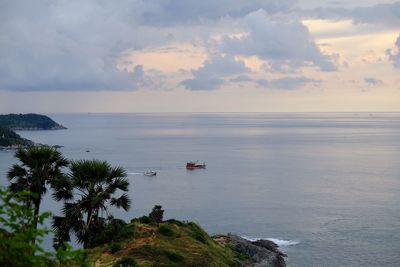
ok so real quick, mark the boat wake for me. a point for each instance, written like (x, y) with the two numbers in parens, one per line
(279, 242)
(135, 173)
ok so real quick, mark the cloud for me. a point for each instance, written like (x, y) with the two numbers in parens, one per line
(74, 45)
(394, 55)
(209, 76)
(383, 14)
(287, 83)
(283, 44)
(65, 45)
(373, 81)
(242, 78)
(172, 12)
(71, 45)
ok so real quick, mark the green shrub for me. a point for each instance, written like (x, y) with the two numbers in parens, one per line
(145, 220)
(17, 231)
(166, 231)
(115, 247)
(173, 256)
(198, 233)
(157, 254)
(157, 214)
(112, 230)
(126, 262)
(176, 222)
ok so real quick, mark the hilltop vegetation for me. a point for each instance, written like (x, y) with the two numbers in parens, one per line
(172, 243)
(29, 121)
(9, 138)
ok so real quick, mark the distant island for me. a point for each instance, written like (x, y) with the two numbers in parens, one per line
(29, 121)
(14, 122)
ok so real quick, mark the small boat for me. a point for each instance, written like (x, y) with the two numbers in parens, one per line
(150, 173)
(194, 165)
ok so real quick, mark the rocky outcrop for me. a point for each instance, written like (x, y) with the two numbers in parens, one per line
(261, 253)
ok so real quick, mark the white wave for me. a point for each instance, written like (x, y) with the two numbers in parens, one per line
(283, 243)
(279, 242)
(135, 173)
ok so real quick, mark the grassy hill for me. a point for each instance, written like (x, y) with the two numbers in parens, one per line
(172, 243)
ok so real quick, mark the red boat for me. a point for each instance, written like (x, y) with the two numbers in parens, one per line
(194, 165)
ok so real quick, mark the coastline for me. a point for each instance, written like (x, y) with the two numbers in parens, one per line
(260, 253)
(55, 128)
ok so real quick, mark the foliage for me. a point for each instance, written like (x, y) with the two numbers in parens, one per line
(28, 121)
(176, 222)
(157, 214)
(67, 256)
(115, 247)
(144, 219)
(10, 138)
(39, 166)
(198, 233)
(17, 233)
(126, 262)
(87, 192)
(158, 254)
(113, 230)
(173, 256)
(152, 248)
(166, 230)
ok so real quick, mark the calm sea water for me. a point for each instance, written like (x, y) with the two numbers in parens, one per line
(327, 184)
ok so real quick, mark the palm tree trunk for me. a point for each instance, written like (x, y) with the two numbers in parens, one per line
(36, 215)
(88, 222)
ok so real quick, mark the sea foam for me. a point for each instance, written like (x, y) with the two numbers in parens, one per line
(279, 242)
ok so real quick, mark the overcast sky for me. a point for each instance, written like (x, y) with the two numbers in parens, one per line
(199, 56)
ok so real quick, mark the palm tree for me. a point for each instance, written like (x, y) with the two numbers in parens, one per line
(39, 167)
(88, 191)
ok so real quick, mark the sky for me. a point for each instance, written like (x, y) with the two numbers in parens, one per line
(72, 56)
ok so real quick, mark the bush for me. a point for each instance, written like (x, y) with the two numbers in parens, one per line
(126, 262)
(198, 233)
(17, 231)
(145, 220)
(112, 230)
(166, 230)
(115, 247)
(173, 256)
(157, 254)
(176, 222)
(157, 214)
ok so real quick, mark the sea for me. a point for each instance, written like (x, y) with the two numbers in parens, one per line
(324, 186)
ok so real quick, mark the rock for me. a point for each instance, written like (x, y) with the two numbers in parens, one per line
(262, 253)
(269, 245)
